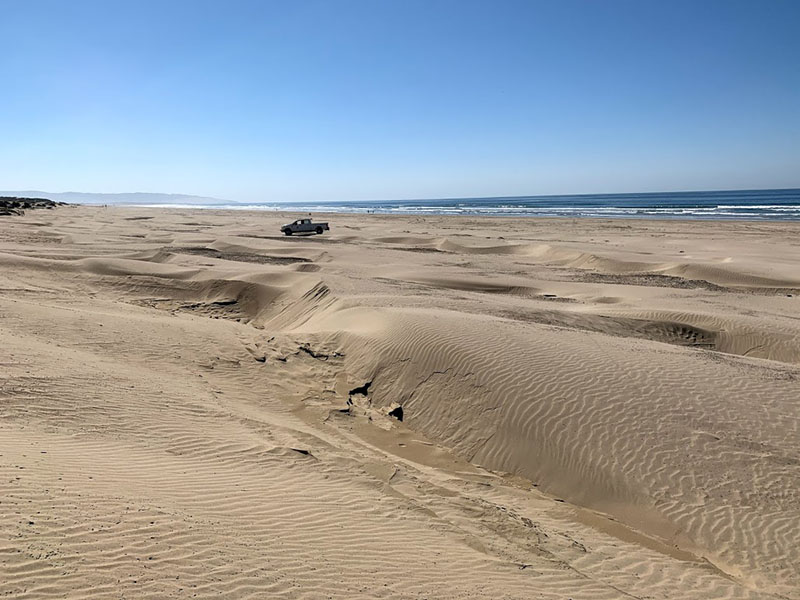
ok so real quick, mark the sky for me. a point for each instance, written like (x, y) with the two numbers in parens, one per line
(313, 100)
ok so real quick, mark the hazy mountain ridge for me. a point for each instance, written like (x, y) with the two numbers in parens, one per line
(124, 198)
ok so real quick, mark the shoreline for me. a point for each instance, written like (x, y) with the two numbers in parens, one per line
(328, 214)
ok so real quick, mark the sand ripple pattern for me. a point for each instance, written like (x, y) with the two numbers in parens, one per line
(679, 451)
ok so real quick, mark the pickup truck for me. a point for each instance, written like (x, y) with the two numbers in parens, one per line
(304, 226)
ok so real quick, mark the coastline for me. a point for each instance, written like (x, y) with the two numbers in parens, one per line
(641, 369)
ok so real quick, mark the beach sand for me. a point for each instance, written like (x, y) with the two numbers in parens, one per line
(193, 405)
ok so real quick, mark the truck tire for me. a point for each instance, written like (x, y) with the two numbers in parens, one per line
(319, 230)
(288, 232)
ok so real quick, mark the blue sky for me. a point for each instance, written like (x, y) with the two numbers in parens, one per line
(378, 99)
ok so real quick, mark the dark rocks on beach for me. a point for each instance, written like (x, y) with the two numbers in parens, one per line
(11, 205)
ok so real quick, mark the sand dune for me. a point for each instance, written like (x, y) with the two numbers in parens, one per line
(192, 405)
(588, 424)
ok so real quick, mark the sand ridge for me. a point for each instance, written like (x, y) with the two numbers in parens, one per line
(191, 403)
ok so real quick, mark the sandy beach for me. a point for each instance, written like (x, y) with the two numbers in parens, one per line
(194, 405)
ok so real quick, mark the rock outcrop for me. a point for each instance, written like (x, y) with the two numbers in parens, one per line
(11, 205)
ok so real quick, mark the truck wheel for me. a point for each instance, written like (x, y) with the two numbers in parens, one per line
(288, 232)
(319, 230)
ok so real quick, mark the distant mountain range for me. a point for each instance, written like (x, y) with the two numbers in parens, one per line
(129, 199)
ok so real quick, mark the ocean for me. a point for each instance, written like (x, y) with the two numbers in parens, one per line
(781, 204)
